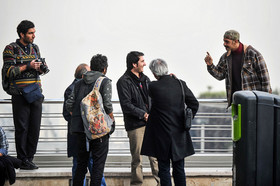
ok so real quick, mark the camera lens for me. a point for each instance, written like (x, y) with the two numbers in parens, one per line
(44, 68)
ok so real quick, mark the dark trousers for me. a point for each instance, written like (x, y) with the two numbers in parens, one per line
(27, 121)
(178, 172)
(99, 150)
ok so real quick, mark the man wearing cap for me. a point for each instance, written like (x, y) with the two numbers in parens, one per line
(242, 66)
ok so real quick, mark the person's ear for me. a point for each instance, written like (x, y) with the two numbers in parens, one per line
(135, 65)
(21, 35)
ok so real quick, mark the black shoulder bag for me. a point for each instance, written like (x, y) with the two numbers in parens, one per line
(188, 116)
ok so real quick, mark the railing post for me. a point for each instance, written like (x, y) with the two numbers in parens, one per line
(202, 135)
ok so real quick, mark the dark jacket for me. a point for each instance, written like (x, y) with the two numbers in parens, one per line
(165, 137)
(72, 147)
(134, 100)
(7, 163)
(83, 88)
(69, 89)
(7, 168)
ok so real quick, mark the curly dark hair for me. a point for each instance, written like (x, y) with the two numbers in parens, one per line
(24, 26)
(98, 63)
(132, 58)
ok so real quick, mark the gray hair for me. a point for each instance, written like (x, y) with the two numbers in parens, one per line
(158, 67)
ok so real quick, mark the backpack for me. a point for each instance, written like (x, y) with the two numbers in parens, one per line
(5, 80)
(96, 122)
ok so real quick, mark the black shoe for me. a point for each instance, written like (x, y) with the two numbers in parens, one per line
(35, 166)
(27, 165)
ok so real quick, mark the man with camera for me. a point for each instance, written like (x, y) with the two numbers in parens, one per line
(20, 79)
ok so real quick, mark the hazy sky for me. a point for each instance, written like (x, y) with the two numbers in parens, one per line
(70, 32)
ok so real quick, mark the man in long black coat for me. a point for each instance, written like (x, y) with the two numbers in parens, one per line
(165, 137)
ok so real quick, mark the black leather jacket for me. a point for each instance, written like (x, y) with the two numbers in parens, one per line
(132, 100)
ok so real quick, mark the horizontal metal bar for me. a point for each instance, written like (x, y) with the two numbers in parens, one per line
(61, 100)
(53, 136)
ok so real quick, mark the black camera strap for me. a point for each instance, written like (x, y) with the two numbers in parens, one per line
(36, 57)
(20, 55)
(35, 52)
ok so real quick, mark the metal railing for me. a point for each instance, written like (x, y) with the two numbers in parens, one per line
(211, 135)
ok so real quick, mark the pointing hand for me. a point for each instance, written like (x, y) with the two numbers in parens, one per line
(208, 59)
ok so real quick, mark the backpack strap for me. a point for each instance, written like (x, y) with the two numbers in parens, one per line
(17, 51)
(98, 83)
(36, 51)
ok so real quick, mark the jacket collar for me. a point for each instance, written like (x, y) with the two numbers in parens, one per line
(135, 78)
(244, 48)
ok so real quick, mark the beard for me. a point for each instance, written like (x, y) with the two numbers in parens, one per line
(27, 40)
(227, 48)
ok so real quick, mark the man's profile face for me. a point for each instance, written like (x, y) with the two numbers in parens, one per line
(139, 67)
(29, 36)
(229, 44)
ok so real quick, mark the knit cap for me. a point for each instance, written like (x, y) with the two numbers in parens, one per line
(232, 35)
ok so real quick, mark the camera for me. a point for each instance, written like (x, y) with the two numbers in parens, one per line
(43, 65)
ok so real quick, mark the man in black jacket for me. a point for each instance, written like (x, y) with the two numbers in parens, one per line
(72, 145)
(135, 103)
(98, 147)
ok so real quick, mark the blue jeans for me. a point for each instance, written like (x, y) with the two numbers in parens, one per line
(178, 172)
(103, 183)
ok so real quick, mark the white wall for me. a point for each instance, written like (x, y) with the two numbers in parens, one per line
(70, 32)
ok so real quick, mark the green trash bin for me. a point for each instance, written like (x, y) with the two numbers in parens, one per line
(244, 139)
(276, 156)
(256, 138)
